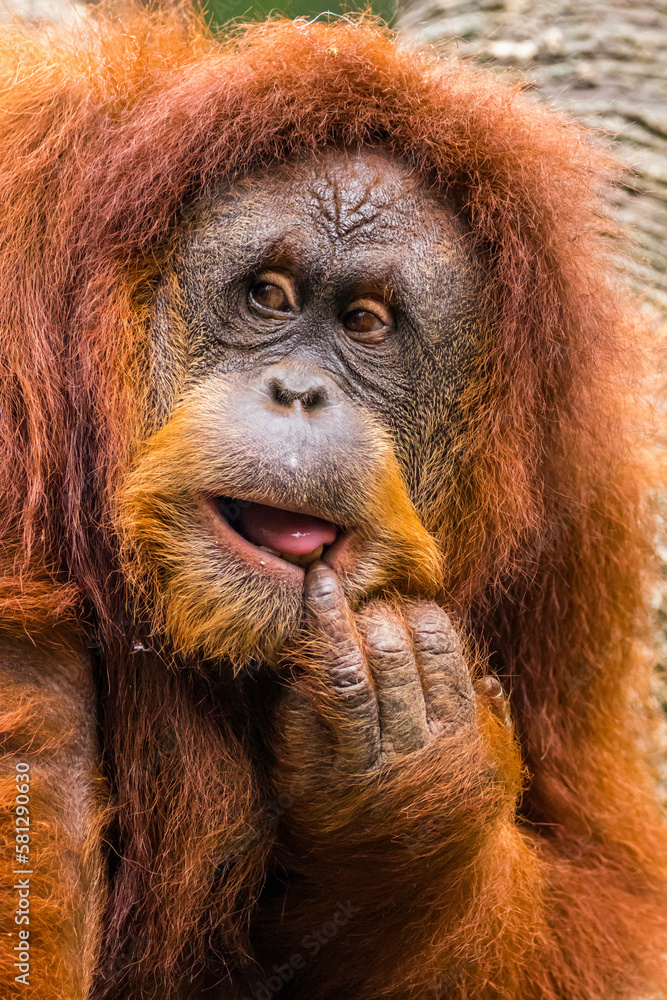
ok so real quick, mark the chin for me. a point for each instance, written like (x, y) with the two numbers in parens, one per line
(217, 559)
(216, 594)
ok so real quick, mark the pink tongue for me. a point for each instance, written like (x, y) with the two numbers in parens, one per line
(284, 530)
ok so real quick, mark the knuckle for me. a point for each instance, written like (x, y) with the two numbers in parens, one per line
(438, 659)
(348, 675)
(391, 650)
(323, 588)
(354, 697)
(347, 668)
(385, 636)
(389, 646)
(357, 691)
(323, 592)
(433, 630)
(438, 648)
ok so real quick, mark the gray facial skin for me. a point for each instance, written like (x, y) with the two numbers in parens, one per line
(337, 235)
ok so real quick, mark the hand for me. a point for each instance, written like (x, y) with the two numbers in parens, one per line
(384, 711)
(395, 783)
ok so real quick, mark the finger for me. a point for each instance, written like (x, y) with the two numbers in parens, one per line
(403, 725)
(448, 690)
(347, 699)
(303, 739)
(300, 728)
(490, 690)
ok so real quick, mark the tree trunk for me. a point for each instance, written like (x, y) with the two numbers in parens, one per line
(603, 62)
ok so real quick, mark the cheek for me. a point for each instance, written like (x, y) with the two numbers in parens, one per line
(169, 350)
(212, 592)
(416, 396)
(426, 432)
(216, 605)
(203, 596)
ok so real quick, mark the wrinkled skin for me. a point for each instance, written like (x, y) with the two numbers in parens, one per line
(319, 325)
(309, 347)
(340, 230)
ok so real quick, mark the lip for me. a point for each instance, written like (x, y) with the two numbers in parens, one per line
(337, 555)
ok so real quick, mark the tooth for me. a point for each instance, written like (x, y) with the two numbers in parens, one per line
(290, 557)
(304, 558)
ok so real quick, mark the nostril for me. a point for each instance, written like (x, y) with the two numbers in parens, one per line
(311, 398)
(280, 394)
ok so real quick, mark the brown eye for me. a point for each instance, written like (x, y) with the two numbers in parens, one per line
(362, 321)
(269, 296)
(368, 322)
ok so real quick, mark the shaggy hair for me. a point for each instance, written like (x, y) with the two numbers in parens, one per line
(539, 515)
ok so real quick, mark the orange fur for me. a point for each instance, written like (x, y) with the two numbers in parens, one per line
(540, 514)
(159, 511)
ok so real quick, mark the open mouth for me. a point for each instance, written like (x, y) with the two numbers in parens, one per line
(289, 535)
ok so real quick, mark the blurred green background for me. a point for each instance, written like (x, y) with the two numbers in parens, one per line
(222, 11)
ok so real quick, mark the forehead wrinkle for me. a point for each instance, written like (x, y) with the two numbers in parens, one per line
(354, 200)
(250, 240)
(313, 214)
